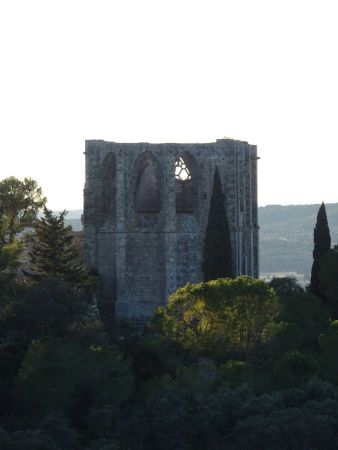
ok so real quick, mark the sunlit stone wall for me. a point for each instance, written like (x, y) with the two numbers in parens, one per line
(145, 213)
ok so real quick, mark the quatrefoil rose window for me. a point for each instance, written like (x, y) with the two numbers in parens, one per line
(182, 172)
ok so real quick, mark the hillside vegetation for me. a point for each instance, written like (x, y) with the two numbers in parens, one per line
(286, 236)
(232, 363)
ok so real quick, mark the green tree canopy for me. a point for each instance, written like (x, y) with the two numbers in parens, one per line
(9, 262)
(328, 280)
(328, 343)
(217, 260)
(49, 308)
(53, 253)
(20, 202)
(55, 372)
(303, 316)
(223, 315)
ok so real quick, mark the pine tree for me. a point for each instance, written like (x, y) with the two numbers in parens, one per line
(53, 254)
(322, 244)
(217, 261)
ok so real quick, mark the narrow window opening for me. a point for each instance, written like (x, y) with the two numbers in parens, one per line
(185, 184)
(109, 186)
(148, 185)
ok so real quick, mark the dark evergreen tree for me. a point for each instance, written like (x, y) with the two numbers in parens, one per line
(217, 261)
(53, 253)
(322, 244)
(328, 278)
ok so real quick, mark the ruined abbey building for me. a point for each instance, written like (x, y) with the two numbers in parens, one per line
(146, 210)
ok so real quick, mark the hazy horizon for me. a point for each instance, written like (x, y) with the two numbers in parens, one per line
(80, 209)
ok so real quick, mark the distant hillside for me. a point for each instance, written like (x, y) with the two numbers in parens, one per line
(76, 224)
(74, 214)
(286, 235)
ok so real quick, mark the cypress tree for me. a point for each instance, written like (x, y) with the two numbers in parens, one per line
(217, 261)
(322, 244)
(53, 253)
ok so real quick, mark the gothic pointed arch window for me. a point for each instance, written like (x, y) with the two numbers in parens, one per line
(185, 183)
(148, 195)
(109, 186)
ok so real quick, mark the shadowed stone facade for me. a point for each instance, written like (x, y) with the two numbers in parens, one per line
(146, 210)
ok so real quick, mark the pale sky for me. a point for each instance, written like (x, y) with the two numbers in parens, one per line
(171, 71)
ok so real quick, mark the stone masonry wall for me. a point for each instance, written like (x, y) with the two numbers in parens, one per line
(141, 246)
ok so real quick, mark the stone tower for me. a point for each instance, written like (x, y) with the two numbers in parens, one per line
(146, 210)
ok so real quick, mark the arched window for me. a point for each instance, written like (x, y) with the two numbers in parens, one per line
(185, 182)
(148, 184)
(109, 185)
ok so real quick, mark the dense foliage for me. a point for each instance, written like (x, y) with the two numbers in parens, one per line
(20, 202)
(232, 363)
(227, 364)
(53, 253)
(328, 280)
(224, 316)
